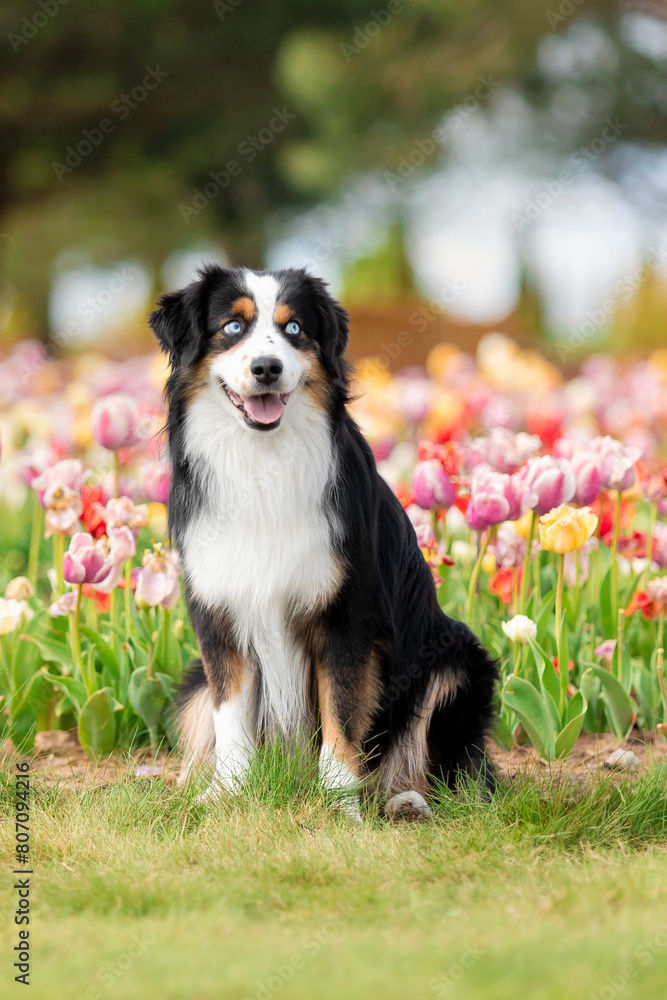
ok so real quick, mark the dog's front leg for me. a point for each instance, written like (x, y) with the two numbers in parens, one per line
(234, 740)
(339, 759)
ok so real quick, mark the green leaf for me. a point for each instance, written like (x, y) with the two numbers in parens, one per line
(97, 724)
(52, 650)
(502, 734)
(147, 696)
(102, 648)
(569, 734)
(620, 707)
(534, 714)
(70, 687)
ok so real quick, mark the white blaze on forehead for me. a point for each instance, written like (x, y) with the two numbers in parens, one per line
(264, 340)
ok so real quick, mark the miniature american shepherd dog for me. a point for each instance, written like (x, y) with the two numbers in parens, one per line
(314, 609)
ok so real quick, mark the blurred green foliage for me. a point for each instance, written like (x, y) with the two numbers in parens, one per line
(363, 82)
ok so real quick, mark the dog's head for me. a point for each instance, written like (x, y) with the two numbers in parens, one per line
(257, 337)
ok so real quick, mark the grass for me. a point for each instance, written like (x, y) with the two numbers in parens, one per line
(548, 891)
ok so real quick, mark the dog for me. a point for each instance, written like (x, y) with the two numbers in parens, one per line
(315, 612)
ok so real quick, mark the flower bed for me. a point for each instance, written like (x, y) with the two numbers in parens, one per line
(538, 502)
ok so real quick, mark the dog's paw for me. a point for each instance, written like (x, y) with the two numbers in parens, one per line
(407, 806)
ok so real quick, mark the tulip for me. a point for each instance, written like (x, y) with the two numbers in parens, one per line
(19, 589)
(157, 581)
(495, 497)
(606, 650)
(122, 543)
(63, 510)
(67, 475)
(431, 486)
(585, 465)
(32, 465)
(617, 463)
(155, 480)
(123, 511)
(65, 605)
(86, 560)
(503, 450)
(11, 614)
(657, 591)
(551, 479)
(115, 421)
(566, 528)
(520, 629)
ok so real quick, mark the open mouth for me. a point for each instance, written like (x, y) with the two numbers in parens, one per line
(262, 412)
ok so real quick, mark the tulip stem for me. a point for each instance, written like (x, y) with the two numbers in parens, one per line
(472, 587)
(649, 534)
(562, 665)
(116, 491)
(128, 594)
(58, 556)
(35, 539)
(527, 563)
(165, 639)
(76, 640)
(613, 576)
(661, 626)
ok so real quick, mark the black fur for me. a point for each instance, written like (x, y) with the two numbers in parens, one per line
(387, 603)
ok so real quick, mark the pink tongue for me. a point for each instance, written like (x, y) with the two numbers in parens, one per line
(264, 409)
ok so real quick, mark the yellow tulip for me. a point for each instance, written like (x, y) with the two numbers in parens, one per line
(522, 525)
(565, 529)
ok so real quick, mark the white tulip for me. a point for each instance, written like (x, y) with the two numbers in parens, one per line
(520, 628)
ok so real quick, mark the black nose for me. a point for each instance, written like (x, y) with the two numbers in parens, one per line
(267, 370)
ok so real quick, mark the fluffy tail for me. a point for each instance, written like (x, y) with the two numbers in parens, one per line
(195, 719)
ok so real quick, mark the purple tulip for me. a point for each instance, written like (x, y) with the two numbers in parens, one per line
(431, 486)
(115, 422)
(550, 479)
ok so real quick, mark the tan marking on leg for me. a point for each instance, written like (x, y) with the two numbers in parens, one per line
(196, 737)
(405, 766)
(333, 736)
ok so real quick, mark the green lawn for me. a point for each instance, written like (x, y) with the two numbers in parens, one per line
(546, 893)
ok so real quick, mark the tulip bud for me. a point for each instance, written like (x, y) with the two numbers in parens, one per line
(431, 486)
(19, 589)
(115, 421)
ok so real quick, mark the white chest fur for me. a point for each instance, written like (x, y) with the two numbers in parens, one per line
(262, 546)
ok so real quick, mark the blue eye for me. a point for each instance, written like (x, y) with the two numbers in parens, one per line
(232, 328)
(293, 328)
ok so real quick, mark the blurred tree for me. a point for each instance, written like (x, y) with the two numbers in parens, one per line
(132, 127)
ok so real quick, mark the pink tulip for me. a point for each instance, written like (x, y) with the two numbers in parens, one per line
(431, 486)
(86, 560)
(155, 480)
(122, 542)
(115, 421)
(157, 581)
(68, 474)
(63, 511)
(495, 497)
(659, 550)
(617, 463)
(122, 510)
(585, 465)
(551, 479)
(502, 449)
(35, 463)
(65, 605)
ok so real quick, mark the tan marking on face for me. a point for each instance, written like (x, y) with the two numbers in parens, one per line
(316, 384)
(196, 380)
(283, 314)
(243, 306)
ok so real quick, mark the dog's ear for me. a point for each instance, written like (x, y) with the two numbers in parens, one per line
(333, 329)
(179, 325)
